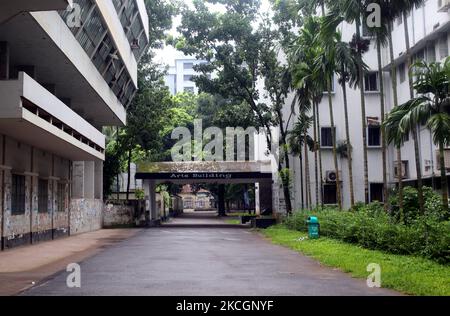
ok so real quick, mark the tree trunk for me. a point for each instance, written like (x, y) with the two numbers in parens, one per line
(307, 175)
(444, 182)
(383, 130)
(316, 158)
(129, 174)
(363, 114)
(395, 97)
(414, 130)
(349, 146)
(286, 181)
(319, 148)
(301, 182)
(333, 136)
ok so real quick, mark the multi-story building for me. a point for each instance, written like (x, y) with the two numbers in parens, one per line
(67, 68)
(429, 28)
(180, 73)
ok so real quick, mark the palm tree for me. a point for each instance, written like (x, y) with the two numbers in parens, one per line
(326, 64)
(351, 11)
(404, 7)
(395, 100)
(346, 68)
(299, 140)
(306, 79)
(431, 108)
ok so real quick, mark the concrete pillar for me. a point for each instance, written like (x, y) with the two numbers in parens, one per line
(265, 196)
(257, 200)
(152, 200)
(78, 180)
(4, 61)
(89, 179)
(221, 196)
(99, 179)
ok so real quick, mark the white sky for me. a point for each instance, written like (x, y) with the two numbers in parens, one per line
(168, 54)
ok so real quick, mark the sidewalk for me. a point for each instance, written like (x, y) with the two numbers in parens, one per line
(20, 267)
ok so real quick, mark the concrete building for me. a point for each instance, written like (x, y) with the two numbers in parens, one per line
(429, 28)
(180, 73)
(67, 68)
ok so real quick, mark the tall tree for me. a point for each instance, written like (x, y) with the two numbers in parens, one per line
(239, 55)
(429, 108)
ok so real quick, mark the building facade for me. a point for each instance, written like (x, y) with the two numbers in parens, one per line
(429, 28)
(67, 69)
(179, 75)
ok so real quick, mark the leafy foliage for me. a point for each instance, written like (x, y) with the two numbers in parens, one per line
(376, 230)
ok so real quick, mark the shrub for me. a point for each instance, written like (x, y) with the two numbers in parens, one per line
(433, 205)
(374, 229)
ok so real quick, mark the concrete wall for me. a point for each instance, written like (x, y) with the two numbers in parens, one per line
(85, 215)
(118, 215)
(30, 225)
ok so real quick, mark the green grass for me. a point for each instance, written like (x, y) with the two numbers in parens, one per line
(407, 274)
(233, 221)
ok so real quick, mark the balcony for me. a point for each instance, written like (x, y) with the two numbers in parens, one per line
(33, 115)
(8, 9)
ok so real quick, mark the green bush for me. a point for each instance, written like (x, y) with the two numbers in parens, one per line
(373, 229)
(433, 205)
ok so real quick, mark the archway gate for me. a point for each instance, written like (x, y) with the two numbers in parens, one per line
(223, 172)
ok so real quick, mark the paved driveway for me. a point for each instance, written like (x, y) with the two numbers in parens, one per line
(183, 260)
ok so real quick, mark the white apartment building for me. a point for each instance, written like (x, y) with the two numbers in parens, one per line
(180, 73)
(67, 68)
(429, 28)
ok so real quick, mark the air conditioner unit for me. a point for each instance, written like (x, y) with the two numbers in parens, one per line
(404, 172)
(331, 176)
(443, 5)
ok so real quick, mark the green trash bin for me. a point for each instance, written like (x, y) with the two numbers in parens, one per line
(313, 227)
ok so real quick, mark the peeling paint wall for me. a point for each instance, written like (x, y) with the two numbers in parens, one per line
(62, 215)
(85, 215)
(118, 215)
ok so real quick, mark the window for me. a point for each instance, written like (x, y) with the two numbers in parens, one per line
(188, 66)
(326, 137)
(17, 194)
(61, 197)
(443, 47)
(376, 192)
(187, 77)
(402, 72)
(189, 89)
(371, 82)
(43, 196)
(329, 194)
(374, 136)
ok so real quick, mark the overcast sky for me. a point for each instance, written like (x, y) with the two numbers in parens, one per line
(168, 54)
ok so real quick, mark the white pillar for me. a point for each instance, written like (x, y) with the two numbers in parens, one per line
(257, 200)
(89, 179)
(78, 180)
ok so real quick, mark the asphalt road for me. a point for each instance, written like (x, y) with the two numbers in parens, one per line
(185, 261)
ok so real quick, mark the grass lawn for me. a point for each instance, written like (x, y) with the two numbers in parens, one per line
(233, 221)
(410, 275)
